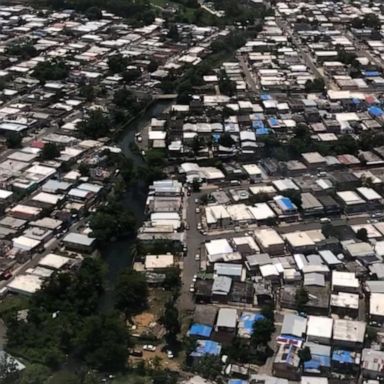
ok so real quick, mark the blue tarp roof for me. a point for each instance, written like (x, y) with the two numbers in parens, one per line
(237, 381)
(248, 319)
(200, 330)
(317, 361)
(286, 203)
(206, 347)
(273, 121)
(343, 356)
(371, 73)
(356, 101)
(216, 137)
(375, 111)
(265, 96)
(262, 131)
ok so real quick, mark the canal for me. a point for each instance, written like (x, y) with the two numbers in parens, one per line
(117, 254)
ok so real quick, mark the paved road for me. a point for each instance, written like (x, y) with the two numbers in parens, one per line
(191, 266)
(248, 75)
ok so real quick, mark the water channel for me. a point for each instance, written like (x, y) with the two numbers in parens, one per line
(117, 254)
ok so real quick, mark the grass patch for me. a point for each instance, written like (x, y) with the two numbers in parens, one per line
(13, 303)
(131, 379)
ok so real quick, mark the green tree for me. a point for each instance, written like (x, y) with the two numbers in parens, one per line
(49, 152)
(301, 298)
(268, 312)
(226, 85)
(171, 322)
(328, 230)
(152, 66)
(305, 355)
(371, 20)
(173, 33)
(208, 366)
(24, 50)
(53, 69)
(103, 343)
(226, 140)
(96, 125)
(88, 92)
(94, 13)
(314, 86)
(131, 75)
(262, 332)
(362, 234)
(172, 278)
(111, 220)
(84, 169)
(131, 292)
(14, 140)
(117, 63)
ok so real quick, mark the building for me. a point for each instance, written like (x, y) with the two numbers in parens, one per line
(270, 241)
(79, 242)
(372, 366)
(287, 361)
(345, 281)
(376, 307)
(348, 333)
(294, 325)
(300, 242)
(319, 329)
(345, 304)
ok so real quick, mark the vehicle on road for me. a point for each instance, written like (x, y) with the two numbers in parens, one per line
(194, 278)
(197, 256)
(197, 201)
(187, 227)
(192, 288)
(199, 227)
(197, 210)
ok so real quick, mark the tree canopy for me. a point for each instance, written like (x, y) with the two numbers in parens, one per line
(53, 69)
(131, 292)
(97, 124)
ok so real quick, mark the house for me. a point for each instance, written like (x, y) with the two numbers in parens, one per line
(372, 366)
(294, 325)
(345, 304)
(348, 333)
(345, 361)
(270, 241)
(220, 288)
(345, 282)
(320, 363)
(79, 242)
(226, 325)
(376, 307)
(319, 329)
(300, 242)
(287, 361)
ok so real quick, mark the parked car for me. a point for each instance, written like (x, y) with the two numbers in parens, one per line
(149, 347)
(170, 355)
(199, 226)
(197, 256)
(197, 210)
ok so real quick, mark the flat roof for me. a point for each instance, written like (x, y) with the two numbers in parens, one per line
(25, 284)
(79, 238)
(349, 330)
(54, 261)
(319, 326)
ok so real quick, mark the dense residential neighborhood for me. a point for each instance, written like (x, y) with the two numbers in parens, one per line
(192, 192)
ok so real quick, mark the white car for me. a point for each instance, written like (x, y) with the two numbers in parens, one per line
(149, 347)
(197, 256)
(192, 289)
(170, 355)
(197, 210)
(194, 278)
(199, 227)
